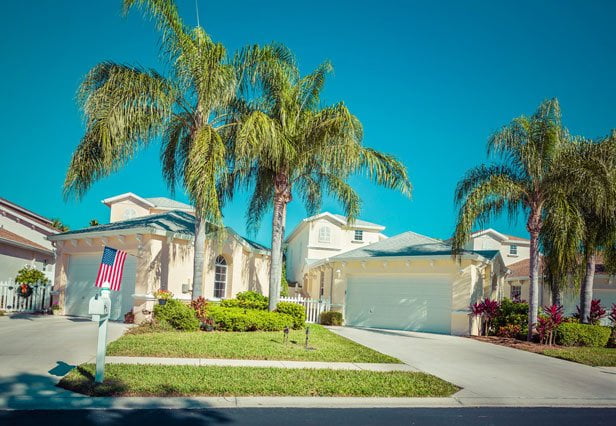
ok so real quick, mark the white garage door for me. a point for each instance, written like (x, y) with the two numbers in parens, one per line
(406, 302)
(82, 271)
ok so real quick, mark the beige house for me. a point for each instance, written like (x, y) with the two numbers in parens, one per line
(516, 254)
(323, 236)
(407, 282)
(23, 241)
(157, 233)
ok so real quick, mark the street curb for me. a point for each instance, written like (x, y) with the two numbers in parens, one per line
(79, 402)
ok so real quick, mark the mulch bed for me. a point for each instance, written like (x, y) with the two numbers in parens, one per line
(514, 343)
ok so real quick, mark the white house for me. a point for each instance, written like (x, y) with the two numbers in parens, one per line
(23, 241)
(322, 236)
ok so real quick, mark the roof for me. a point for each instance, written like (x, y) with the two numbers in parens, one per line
(341, 219)
(499, 235)
(522, 268)
(155, 202)
(29, 214)
(15, 239)
(409, 244)
(168, 203)
(176, 222)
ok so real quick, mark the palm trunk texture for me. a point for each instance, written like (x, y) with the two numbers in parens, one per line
(586, 288)
(534, 227)
(282, 196)
(197, 287)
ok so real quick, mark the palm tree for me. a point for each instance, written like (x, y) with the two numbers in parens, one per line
(127, 107)
(94, 222)
(287, 143)
(57, 224)
(530, 178)
(586, 224)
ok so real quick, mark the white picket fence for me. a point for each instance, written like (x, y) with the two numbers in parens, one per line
(313, 307)
(11, 301)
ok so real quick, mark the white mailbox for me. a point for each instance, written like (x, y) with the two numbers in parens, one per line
(99, 307)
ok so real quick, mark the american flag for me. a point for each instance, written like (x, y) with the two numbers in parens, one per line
(111, 268)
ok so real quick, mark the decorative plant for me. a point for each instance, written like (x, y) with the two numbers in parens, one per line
(200, 307)
(612, 316)
(477, 309)
(509, 330)
(597, 312)
(163, 294)
(490, 311)
(547, 323)
(29, 275)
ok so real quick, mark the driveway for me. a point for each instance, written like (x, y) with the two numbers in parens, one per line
(488, 372)
(36, 351)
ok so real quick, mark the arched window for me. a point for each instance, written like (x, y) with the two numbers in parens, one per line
(325, 234)
(220, 278)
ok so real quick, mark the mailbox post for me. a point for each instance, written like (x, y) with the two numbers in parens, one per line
(99, 308)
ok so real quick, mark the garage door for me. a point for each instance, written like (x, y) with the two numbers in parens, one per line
(82, 271)
(407, 302)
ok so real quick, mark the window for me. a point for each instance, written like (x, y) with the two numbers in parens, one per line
(325, 234)
(129, 213)
(220, 278)
(516, 292)
(322, 284)
(359, 235)
(513, 250)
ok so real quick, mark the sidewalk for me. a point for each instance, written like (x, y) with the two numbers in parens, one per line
(203, 362)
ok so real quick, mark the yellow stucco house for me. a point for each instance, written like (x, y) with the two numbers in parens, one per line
(157, 233)
(405, 282)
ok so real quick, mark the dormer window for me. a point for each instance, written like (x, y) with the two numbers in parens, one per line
(325, 234)
(359, 235)
(513, 250)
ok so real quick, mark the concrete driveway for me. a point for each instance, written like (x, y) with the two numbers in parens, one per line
(490, 373)
(36, 351)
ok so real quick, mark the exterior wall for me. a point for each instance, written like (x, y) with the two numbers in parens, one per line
(305, 245)
(468, 283)
(13, 258)
(488, 242)
(118, 209)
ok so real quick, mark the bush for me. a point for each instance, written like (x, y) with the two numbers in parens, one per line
(597, 312)
(239, 319)
(247, 300)
(177, 314)
(330, 318)
(152, 326)
(574, 334)
(512, 313)
(30, 275)
(510, 330)
(297, 311)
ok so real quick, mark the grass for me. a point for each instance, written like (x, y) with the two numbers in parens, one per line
(155, 380)
(597, 357)
(326, 345)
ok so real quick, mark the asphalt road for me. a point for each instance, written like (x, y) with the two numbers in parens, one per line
(296, 416)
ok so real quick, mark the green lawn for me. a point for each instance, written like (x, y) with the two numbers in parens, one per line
(151, 380)
(597, 357)
(326, 346)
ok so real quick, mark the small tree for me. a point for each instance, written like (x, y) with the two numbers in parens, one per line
(549, 322)
(29, 275)
(57, 224)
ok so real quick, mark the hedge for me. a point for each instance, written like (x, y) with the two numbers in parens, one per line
(575, 334)
(239, 319)
(330, 318)
(297, 311)
(248, 300)
(177, 315)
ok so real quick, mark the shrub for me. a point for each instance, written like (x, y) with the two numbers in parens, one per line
(248, 300)
(510, 330)
(30, 275)
(574, 334)
(297, 311)
(152, 326)
(330, 318)
(612, 316)
(547, 323)
(239, 319)
(596, 312)
(199, 305)
(177, 314)
(512, 313)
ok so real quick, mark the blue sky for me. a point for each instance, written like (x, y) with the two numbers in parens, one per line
(430, 80)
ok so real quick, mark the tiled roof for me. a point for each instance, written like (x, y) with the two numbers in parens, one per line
(522, 268)
(15, 238)
(409, 244)
(168, 203)
(514, 238)
(175, 221)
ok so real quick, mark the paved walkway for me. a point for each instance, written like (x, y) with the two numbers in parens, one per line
(203, 362)
(490, 373)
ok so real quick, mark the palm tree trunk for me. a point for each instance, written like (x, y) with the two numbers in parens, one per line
(197, 288)
(586, 287)
(556, 292)
(282, 195)
(534, 227)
